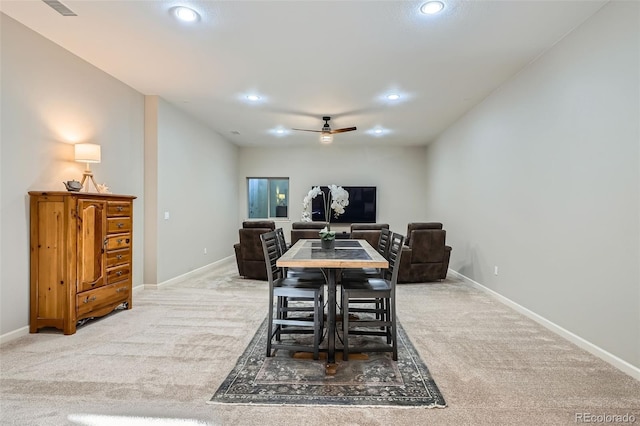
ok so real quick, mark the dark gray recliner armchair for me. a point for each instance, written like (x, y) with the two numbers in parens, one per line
(425, 256)
(249, 254)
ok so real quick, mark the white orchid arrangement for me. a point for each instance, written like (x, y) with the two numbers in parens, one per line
(338, 201)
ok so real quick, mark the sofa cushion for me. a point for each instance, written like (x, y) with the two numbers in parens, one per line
(368, 226)
(268, 224)
(308, 225)
(420, 225)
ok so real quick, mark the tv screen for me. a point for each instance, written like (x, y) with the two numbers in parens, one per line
(361, 208)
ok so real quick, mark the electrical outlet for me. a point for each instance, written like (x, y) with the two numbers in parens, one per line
(205, 250)
(495, 270)
(166, 215)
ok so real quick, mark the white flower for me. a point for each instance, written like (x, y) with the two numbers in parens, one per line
(338, 197)
(314, 192)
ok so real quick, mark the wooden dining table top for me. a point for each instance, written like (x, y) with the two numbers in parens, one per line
(348, 253)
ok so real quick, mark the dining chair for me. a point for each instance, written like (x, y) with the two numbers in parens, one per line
(363, 273)
(305, 315)
(381, 293)
(301, 273)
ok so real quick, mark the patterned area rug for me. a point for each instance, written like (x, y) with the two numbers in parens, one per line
(374, 381)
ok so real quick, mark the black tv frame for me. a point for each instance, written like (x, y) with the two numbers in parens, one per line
(359, 210)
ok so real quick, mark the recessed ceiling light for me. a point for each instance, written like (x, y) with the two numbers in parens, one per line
(378, 131)
(185, 14)
(431, 7)
(253, 98)
(393, 96)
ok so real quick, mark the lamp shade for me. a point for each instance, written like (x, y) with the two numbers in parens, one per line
(87, 152)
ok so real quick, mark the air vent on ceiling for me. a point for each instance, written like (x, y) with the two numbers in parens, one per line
(60, 8)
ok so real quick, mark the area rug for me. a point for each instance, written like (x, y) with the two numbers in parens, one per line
(374, 381)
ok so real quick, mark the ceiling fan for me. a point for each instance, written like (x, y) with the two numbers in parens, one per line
(326, 134)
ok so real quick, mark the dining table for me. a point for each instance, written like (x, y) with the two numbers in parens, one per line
(347, 253)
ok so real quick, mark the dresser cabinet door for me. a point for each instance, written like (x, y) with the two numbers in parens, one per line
(91, 240)
(49, 288)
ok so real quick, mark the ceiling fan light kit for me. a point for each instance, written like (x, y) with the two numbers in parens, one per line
(326, 132)
(326, 138)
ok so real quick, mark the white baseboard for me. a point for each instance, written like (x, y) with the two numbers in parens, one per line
(608, 357)
(12, 335)
(189, 274)
(24, 331)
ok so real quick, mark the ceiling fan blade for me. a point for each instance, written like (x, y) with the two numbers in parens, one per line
(307, 130)
(346, 129)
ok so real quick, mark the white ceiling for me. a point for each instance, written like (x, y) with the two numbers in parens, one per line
(312, 58)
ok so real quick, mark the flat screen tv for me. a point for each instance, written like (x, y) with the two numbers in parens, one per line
(361, 208)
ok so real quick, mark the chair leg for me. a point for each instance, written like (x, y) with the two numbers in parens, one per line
(394, 334)
(345, 325)
(270, 325)
(388, 317)
(317, 325)
(281, 314)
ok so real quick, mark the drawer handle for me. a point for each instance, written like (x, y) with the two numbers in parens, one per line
(119, 240)
(119, 273)
(119, 208)
(119, 257)
(90, 299)
(120, 225)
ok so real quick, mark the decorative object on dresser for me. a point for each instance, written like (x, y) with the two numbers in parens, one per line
(425, 256)
(81, 257)
(73, 185)
(87, 153)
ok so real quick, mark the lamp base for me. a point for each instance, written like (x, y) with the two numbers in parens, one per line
(85, 175)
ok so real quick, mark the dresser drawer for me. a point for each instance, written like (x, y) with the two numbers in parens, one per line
(118, 273)
(118, 208)
(94, 300)
(117, 225)
(118, 257)
(118, 241)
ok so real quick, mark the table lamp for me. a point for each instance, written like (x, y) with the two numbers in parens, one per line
(87, 153)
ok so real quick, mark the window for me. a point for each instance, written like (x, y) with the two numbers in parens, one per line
(268, 197)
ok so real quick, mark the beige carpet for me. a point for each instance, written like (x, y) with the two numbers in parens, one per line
(165, 357)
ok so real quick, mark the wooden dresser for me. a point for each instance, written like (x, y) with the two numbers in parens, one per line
(81, 257)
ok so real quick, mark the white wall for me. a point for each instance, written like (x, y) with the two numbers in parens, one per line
(197, 185)
(397, 172)
(50, 100)
(542, 180)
